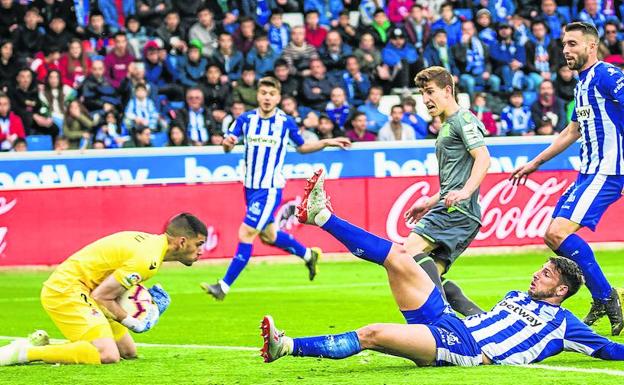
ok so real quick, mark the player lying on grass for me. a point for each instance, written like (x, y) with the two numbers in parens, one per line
(522, 328)
(80, 295)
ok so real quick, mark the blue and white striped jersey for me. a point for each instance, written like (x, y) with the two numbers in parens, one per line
(599, 110)
(265, 146)
(520, 330)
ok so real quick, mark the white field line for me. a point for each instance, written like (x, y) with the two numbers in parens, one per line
(610, 372)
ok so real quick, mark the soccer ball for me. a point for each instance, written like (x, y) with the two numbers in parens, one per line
(138, 303)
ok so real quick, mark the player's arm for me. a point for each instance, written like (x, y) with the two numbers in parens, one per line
(581, 338)
(106, 295)
(564, 140)
(306, 148)
(479, 169)
(233, 133)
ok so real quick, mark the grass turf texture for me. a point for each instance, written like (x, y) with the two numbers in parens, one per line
(345, 295)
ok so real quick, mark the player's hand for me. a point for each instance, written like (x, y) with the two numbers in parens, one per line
(160, 297)
(520, 175)
(229, 142)
(140, 326)
(417, 211)
(339, 142)
(455, 196)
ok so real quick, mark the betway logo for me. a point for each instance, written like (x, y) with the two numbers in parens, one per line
(525, 315)
(51, 175)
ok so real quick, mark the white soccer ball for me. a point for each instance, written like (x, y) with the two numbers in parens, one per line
(138, 303)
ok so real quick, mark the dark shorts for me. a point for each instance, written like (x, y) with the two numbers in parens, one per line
(451, 231)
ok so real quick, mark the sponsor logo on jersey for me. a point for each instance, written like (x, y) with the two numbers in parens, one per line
(153, 265)
(527, 316)
(255, 208)
(584, 113)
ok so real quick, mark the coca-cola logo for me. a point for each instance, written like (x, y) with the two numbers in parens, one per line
(285, 215)
(212, 239)
(505, 211)
(5, 207)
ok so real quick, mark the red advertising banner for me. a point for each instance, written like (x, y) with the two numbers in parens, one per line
(46, 226)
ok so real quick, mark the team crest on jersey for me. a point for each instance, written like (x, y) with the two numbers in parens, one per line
(132, 279)
(445, 130)
(584, 113)
(255, 208)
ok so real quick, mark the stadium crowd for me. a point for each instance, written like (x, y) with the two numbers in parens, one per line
(113, 73)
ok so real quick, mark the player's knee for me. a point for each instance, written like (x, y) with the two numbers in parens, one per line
(247, 234)
(128, 353)
(369, 335)
(267, 239)
(554, 235)
(398, 259)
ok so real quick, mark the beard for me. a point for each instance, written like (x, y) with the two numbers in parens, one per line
(579, 62)
(540, 295)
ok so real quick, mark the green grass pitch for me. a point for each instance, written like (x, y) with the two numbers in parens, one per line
(187, 346)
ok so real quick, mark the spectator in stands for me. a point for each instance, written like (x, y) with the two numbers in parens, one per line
(136, 75)
(195, 118)
(46, 61)
(188, 11)
(61, 143)
(63, 9)
(317, 87)
(438, 53)
(20, 145)
(472, 57)
(279, 32)
(142, 137)
(398, 10)
(380, 28)
(11, 126)
(367, 9)
(262, 57)
(152, 12)
(245, 35)
(97, 93)
(368, 55)
(347, 32)
(314, 32)
(411, 118)
(246, 90)
(28, 37)
(521, 33)
(309, 134)
(97, 36)
(482, 112)
(57, 33)
(137, 36)
(484, 25)
(565, 82)
(434, 127)
(593, 15)
(298, 53)
(205, 30)
(328, 10)
(217, 95)
(160, 73)
(78, 125)
(172, 34)
(98, 145)
(516, 117)
(74, 64)
(236, 110)
(118, 59)
(11, 15)
(548, 104)
(338, 109)
(55, 96)
(304, 116)
(610, 39)
(417, 28)
(111, 134)
(9, 65)
(401, 59)
(192, 66)
(290, 83)
(355, 83)
(375, 119)
(395, 129)
(509, 59)
(27, 105)
(258, 10)
(140, 110)
(537, 55)
(358, 131)
(545, 126)
(449, 23)
(327, 129)
(177, 137)
(553, 18)
(228, 58)
(333, 53)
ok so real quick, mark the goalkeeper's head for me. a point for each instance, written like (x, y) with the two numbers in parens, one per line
(186, 235)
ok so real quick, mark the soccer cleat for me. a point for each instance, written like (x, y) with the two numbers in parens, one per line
(314, 199)
(273, 346)
(214, 290)
(312, 264)
(596, 312)
(613, 308)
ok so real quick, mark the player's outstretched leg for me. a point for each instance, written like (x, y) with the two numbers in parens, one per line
(288, 243)
(458, 300)
(238, 263)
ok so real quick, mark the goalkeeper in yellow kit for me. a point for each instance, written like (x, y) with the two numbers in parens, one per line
(80, 295)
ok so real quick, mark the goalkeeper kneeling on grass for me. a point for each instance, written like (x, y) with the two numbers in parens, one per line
(81, 294)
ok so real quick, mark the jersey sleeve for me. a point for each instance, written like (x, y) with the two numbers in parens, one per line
(293, 132)
(612, 84)
(580, 338)
(470, 131)
(238, 127)
(133, 272)
(574, 118)
(142, 262)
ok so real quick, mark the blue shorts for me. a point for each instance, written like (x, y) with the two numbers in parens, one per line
(261, 206)
(586, 200)
(454, 343)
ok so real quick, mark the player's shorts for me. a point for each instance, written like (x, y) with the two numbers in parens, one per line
(454, 343)
(450, 230)
(77, 315)
(261, 206)
(586, 200)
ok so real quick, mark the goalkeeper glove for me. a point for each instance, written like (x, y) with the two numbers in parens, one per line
(160, 297)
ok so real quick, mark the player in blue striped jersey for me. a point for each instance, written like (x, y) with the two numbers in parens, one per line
(598, 121)
(522, 328)
(266, 132)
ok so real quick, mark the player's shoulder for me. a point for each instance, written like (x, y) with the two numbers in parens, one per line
(245, 116)
(288, 119)
(607, 70)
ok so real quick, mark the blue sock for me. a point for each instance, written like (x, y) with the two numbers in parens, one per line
(243, 253)
(360, 242)
(576, 249)
(331, 346)
(288, 243)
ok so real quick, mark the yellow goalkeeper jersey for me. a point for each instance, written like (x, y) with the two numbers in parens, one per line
(131, 256)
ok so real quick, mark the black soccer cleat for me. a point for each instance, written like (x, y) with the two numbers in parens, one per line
(596, 312)
(214, 290)
(613, 308)
(312, 264)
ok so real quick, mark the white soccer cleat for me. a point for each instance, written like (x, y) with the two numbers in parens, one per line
(314, 199)
(274, 345)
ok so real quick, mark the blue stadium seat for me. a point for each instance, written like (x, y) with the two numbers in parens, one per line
(529, 98)
(159, 139)
(565, 12)
(464, 13)
(39, 143)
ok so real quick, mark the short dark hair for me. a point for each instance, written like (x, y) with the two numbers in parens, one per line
(569, 274)
(447, 4)
(356, 115)
(119, 33)
(585, 28)
(396, 106)
(186, 225)
(269, 81)
(280, 63)
(542, 22)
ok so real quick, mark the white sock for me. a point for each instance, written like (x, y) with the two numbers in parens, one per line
(22, 356)
(322, 217)
(289, 344)
(307, 255)
(224, 286)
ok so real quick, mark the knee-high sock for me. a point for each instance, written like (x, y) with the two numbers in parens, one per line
(288, 243)
(79, 352)
(430, 267)
(458, 300)
(330, 346)
(576, 249)
(360, 242)
(243, 253)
